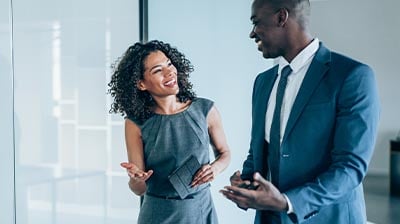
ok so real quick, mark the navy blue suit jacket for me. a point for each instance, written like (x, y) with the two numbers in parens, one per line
(328, 141)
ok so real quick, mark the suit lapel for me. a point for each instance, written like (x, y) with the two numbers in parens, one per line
(263, 95)
(260, 102)
(318, 68)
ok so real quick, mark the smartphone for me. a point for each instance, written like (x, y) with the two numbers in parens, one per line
(248, 186)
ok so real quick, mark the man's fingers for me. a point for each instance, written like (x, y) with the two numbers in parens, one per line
(235, 179)
(237, 191)
(234, 197)
(260, 180)
(235, 176)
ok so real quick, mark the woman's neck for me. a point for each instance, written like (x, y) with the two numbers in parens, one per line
(169, 105)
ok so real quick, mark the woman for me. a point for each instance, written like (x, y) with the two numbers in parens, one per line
(165, 125)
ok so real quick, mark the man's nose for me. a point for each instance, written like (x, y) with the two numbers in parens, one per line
(252, 33)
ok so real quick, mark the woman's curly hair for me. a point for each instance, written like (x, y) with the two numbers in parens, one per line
(129, 69)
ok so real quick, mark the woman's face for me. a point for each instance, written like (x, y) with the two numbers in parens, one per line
(160, 76)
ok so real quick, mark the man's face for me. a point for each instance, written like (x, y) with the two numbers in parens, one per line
(266, 30)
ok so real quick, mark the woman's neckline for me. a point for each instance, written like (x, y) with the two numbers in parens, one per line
(183, 110)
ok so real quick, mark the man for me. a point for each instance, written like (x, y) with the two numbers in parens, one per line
(313, 134)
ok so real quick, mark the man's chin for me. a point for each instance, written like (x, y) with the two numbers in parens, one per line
(263, 51)
(266, 55)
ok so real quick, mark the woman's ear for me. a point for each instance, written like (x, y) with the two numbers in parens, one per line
(140, 85)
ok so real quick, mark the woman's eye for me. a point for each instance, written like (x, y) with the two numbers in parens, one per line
(156, 71)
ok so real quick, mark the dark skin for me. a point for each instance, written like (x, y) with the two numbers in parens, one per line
(277, 29)
(265, 197)
(277, 33)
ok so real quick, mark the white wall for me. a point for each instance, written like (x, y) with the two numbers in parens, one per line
(368, 30)
(6, 117)
(214, 36)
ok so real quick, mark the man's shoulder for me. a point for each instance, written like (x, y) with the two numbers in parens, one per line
(271, 71)
(338, 57)
(344, 62)
(339, 61)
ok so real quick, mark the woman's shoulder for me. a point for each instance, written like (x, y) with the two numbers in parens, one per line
(139, 122)
(201, 100)
(202, 104)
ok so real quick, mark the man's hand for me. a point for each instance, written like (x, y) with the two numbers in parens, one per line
(265, 197)
(236, 180)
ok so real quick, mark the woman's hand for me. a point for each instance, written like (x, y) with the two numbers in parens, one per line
(205, 174)
(136, 174)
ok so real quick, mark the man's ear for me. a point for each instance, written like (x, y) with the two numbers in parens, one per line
(283, 16)
(140, 85)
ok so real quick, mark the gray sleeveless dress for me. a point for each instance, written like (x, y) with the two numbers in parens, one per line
(168, 141)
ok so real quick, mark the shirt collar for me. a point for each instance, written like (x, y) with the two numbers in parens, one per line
(301, 59)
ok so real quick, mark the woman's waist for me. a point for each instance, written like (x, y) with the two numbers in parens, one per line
(171, 193)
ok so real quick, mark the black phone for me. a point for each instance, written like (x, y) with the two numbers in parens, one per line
(250, 186)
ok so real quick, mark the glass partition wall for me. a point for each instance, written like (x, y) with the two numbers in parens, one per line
(67, 147)
(6, 116)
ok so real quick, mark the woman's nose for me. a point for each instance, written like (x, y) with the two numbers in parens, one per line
(168, 72)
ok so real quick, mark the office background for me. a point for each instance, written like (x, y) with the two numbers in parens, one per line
(60, 149)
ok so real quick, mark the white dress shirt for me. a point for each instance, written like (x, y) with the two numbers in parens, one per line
(299, 65)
